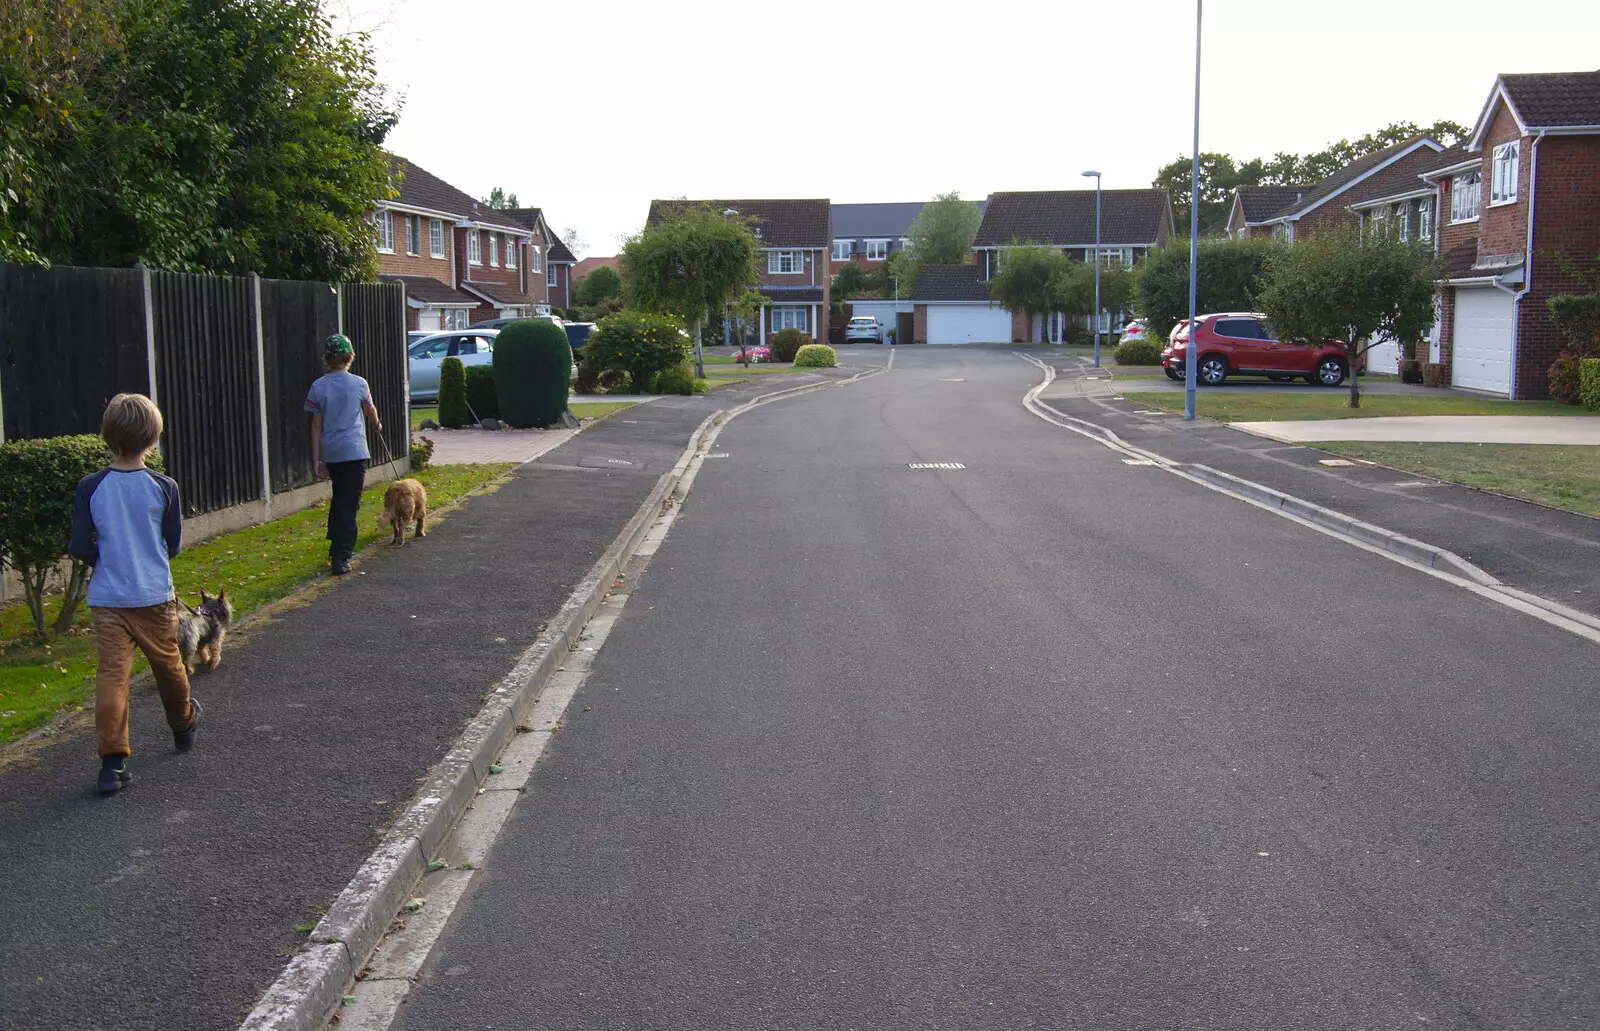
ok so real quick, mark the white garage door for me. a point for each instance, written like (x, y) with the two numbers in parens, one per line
(1384, 356)
(968, 324)
(1481, 358)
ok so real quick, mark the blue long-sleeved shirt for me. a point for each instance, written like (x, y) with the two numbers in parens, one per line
(127, 524)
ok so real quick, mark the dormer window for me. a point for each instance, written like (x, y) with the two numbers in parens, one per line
(1503, 184)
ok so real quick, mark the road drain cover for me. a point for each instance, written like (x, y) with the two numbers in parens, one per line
(937, 465)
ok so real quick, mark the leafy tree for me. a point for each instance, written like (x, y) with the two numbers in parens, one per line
(745, 311)
(598, 287)
(848, 283)
(1116, 289)
(1033, 280)
(1231, 274)
(1219, 176)
(574, 240)
(222, 137)
(1336, 286)
(500, 200)
(944, 230)
(639, 344)
(693, 259)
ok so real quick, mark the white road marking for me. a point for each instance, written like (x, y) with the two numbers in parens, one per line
(936, 465)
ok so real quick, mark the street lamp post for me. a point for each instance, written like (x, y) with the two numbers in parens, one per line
(744, 349)
(1096, 266)
(1189, 364)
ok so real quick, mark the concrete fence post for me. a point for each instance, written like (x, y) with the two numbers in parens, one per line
(261, 397)
(149, 331)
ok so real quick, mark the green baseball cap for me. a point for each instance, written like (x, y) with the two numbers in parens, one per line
(338, 344)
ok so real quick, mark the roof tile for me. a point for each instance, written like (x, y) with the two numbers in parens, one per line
(1065, 217)
(782, 223)
(1555, 100)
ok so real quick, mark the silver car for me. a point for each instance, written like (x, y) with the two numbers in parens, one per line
(472, 346)
(863, 328)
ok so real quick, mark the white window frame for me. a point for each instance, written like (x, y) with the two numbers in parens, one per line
(454, 318)
(1425, 219)
(383, 222)
(795, 260)
(789, 316)
(474, 247)
(1464, 188)
(511, 252)
(535, 258)
(550, 277)
(1123, 256)
(844, 245)
(1503, 180)
(877, 250)
(494, 250)
(414, 235)
(435, 238)
(1401, 214)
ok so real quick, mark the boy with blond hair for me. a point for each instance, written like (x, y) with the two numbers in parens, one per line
(127, 524)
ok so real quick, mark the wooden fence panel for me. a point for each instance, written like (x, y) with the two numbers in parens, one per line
(296, 318)
(374, 316)
(205, 336)
(70, 338)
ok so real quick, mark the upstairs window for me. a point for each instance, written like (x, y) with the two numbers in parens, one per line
(1398, 213)
(474, 247)
(1115, 257)
(782, 263)
(435, 238)
(494, 250)
(1425, 220)
(550, 275)
(841, 250)
(1464, 190)
(535, 259)
(385, 225)
(511, 251)
(413, 234)
(1503, 184)
(877, 250)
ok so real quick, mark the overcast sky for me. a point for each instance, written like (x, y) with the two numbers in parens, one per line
(589, 109)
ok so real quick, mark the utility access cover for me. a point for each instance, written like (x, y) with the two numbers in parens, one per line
(937, 465)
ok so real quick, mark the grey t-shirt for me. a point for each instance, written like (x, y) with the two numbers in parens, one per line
(338, 398)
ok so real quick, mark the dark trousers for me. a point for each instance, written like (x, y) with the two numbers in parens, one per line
(346, 477)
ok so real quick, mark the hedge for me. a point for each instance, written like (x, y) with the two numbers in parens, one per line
(453, 411)
(480, 392)
(532, 373)
(1589, 383)
(1138, 352)
(815, 356)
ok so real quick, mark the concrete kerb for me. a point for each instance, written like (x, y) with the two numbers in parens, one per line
(311, 988)
(1401, 548)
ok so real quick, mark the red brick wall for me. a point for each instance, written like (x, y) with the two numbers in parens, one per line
(402, 264)
(1503, 229)
(919, 324)
(488, 274)
(1566, 230)
(813, 275)
(1447, 322)
(1021, 327)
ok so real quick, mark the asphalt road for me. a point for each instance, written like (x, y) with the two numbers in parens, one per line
(1051, 741)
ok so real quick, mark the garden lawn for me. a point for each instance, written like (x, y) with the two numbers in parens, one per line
(1559, 475)
(598, 409)
(256, 566)
(1269, 404)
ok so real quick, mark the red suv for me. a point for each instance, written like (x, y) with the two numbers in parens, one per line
(1242, 344)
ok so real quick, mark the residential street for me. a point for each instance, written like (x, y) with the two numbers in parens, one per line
(1050, 741)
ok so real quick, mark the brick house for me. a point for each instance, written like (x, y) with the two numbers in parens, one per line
(1511, 211)
(1132, 222)
(1254, 205)
(866, 234)
(1326, 204)
(794, 237)
(551, 283)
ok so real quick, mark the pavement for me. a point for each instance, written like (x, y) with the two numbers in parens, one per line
(1047, 740)
(1443, 429)
(172, 905)
(468, 446)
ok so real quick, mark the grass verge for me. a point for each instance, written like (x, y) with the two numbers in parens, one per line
(757, 369)
(598, 409)
(1559, 475)
(257, 566)
(1270, 404)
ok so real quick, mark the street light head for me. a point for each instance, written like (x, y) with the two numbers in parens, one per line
(1094, 174)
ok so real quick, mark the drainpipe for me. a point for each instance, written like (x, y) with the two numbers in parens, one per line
(1527, 264)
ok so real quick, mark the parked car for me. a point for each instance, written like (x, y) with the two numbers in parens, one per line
(1134, 330)
(1242, 344)
(863, 328)
(472, 346)
(503, 323)
(412, 336)
(578, 334)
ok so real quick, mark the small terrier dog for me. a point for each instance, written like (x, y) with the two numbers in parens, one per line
(201, 631)
(404, 503)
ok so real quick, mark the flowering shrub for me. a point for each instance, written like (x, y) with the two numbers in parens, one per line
(1564, 379)
(757, 355)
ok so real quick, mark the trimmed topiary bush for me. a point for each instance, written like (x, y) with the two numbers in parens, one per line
(453, 411)
(637, 344)
(38, 481)
(1589, 384)
(480, 392)
(1138, 352)
(1564, 379)
(786, 343)
(815, 356)
(677, 380)
(532, 371)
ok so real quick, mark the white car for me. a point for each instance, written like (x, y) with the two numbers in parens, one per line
(863, 328)
(1134, 330)
(472, 346)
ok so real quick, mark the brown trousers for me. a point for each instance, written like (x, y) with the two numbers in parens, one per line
(154, 631)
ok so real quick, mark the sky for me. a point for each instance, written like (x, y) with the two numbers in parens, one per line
(590, 109)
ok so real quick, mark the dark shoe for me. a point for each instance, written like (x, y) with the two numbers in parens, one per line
(183, 740)
(340, 566)
(114, 773)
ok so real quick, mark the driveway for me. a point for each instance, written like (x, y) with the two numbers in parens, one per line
(1440, 429)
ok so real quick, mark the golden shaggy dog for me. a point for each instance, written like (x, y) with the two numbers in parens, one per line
(404, 503)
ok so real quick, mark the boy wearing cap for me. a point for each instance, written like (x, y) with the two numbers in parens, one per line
(337, 402)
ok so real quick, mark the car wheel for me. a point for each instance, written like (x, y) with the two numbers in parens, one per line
(1213, 370)
(1172, 374)
(1330, 372)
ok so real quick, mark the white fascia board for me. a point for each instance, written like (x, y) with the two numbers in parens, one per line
(1482, 125)
(412, 209)
(1419, 192)
(1450, 170)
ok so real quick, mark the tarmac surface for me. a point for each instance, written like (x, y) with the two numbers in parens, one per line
(1045, 741)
